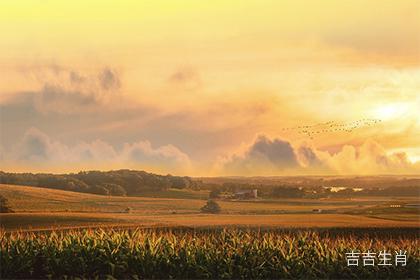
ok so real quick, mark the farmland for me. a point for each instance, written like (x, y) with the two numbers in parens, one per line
(39, 208)
(56, 233)
(203, 254)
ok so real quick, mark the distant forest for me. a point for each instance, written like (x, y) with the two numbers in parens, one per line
(119, 182)
(132, 183)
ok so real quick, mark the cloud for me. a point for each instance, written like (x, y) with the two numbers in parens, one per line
(67, 91)
(385, 41)
(143, 152)
(59, 100)
(34, 146)
(38, 149)
(307, 157)
(109, 79)
(187, 78)
(264, 156)
(368, 158)
(279, 157)
(76, 78)
(277, 151)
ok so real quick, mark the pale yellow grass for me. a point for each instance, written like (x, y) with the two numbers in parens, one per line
(40, 221)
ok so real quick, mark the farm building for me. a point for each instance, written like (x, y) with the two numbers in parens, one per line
(246, 194)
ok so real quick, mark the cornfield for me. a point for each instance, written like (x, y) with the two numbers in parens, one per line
(215, 253)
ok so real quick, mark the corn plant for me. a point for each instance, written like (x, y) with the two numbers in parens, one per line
(213, 253)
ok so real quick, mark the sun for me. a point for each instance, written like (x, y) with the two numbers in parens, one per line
(390, 111)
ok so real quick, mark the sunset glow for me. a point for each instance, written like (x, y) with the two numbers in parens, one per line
(391, 111)
(211, 87)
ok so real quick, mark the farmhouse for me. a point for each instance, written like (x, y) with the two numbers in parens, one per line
(246, 194)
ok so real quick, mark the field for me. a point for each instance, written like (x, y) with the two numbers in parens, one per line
(54, 234)
(39, 209)
(202, 254)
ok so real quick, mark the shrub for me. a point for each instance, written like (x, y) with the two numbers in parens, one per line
(211, 207)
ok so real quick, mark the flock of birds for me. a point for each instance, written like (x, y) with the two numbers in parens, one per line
(331, 126)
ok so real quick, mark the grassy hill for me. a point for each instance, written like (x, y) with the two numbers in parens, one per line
(35, 199)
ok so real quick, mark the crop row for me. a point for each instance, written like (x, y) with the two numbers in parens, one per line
(197, 254)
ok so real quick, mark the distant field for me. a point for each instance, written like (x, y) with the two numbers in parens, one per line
(40, 208)
(41, 221)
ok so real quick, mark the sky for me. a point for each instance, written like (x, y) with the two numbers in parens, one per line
(211, 88)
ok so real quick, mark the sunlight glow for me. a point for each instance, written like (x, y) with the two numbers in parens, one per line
(390, 111)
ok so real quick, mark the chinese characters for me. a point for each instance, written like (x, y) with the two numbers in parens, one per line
(383, 258)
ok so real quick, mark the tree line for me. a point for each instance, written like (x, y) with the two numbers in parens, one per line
(118, 182)
(131, 182)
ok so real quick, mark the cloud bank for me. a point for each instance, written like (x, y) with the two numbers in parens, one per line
(67, 91)
(267, 156)
(264, 155)
(38, 150)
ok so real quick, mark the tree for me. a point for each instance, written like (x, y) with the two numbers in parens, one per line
(179, 182)
(4, 208)
(114, 189)
(211, 207)
(98, 189)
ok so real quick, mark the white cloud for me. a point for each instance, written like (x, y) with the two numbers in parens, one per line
(368, 158)
(38, 149)
(279, 157)
(142, 152)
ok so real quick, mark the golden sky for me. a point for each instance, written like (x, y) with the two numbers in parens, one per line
(210, 87)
